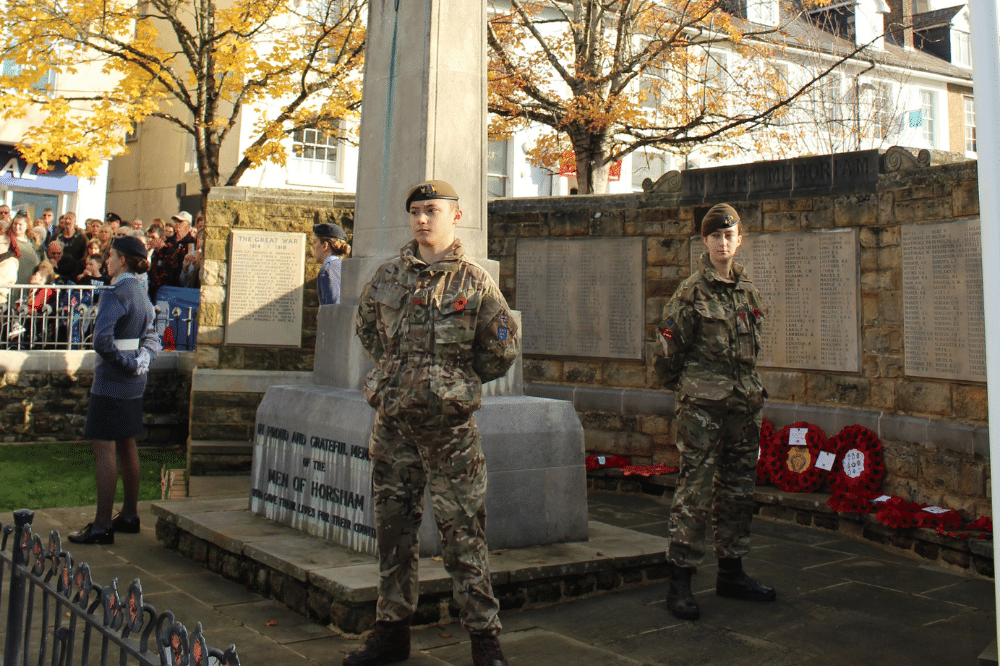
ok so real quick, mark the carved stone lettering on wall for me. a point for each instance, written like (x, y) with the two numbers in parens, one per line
(809, 284)
(944, 332)
(264, 294)
(581, 297)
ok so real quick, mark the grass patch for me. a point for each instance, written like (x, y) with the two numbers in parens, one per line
(43, 476)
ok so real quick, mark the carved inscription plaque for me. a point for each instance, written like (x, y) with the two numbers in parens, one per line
(266, 274)
(581, 297)
(944, 332)
(809, 284)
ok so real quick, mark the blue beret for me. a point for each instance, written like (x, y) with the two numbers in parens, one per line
(329, 230)
(129, 246)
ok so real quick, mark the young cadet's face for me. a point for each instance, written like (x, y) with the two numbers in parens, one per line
(723, 243)
(433, 222)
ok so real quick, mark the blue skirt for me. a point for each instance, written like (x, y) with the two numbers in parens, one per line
(111, 419)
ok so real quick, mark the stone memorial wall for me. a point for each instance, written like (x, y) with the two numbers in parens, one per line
(944, 327)
(581, 298)
(264, 296)
(809, 284)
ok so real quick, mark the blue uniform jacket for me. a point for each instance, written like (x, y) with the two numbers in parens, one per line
(124, 313)
(328, 281)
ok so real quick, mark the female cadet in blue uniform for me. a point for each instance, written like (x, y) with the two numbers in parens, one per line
(125, 341)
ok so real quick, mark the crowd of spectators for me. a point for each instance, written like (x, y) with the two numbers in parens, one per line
(36, 255)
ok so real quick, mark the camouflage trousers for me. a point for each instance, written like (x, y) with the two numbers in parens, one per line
(718, 450)
(444, 452)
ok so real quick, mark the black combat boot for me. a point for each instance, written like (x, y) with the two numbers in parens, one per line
(486, 651)
(680, 601)
(388, 643)
(732, 582)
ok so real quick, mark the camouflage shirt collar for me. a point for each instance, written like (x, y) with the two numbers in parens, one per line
(449, 262)
(711, 273)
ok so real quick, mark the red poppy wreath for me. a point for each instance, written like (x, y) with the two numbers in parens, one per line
(768, 461)
(796, 470)
(859, 468)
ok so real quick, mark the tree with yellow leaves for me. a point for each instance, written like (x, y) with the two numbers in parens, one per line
(609, 77)
(197, 64)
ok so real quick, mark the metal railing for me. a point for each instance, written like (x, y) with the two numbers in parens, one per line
(61, 317)
(44, 588)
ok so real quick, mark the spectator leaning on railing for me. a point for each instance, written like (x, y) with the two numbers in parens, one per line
(74, 240)
(65, 265)
(9, 260)
(29, 258)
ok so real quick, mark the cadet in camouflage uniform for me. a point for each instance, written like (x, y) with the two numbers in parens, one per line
(710, 335)
(436, 326)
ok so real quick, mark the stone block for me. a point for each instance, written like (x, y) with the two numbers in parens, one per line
(648, 402)
(783, 385)
(900, 459)
(856, 210)
(541, 370)
(837, 388)
(585, 372)
(587, 398)
(552, 391)
(572, 223)
(923, 210)
(969, 402)
(965, 199)
(533, 448)
(668, 251)
(207, 356)
(656, 425)
(624, 373)
(790, 221)
(916, 397)
(606, 223)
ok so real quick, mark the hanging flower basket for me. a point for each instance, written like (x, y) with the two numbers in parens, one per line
(859, 468)
(796, 470)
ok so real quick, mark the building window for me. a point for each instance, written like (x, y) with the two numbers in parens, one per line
(764, 12)
(647, 164)
(190, 154)
(928, 100)
(830, 96)
(970, 125)
(315, 152)
(497, 179)
(882, 113)
(46, 84)
(961, 48)
(651, 83)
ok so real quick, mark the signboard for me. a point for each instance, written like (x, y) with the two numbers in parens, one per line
(15, 171)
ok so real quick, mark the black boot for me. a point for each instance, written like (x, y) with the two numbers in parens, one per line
(486, 651)
(732, 582)
(680, 601)
(388, 643)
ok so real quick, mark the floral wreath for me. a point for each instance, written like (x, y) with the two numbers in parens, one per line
(605, 461)
(896, 512)
(796, 471)
(768, 460)
(859, 468)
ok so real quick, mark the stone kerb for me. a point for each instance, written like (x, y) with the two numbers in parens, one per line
(933, 429)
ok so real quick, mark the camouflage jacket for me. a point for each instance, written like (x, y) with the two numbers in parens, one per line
(710, 335)
(435, 333)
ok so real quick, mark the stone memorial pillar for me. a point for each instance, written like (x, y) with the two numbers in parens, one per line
(424, 117)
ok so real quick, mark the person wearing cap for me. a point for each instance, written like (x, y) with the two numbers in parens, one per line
(437, 327)
(710, 337)
(329, 249)
(126, 342)
(114, 220)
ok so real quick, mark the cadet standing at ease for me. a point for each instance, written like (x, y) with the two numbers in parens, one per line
(711, 337)
(436, 326)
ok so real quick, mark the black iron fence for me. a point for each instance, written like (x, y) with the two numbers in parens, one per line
(57, 614)
(61, 317)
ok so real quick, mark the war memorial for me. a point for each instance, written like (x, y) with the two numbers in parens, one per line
(869, 264)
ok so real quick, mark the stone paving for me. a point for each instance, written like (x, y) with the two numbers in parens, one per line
(839, 602)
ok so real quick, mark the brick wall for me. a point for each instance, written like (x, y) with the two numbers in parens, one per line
(933, 430)
(46, 395)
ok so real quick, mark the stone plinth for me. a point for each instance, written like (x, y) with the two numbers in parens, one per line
(311, 469)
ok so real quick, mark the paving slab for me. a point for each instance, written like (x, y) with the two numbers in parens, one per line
(211, 588)
(535, 647)
(968, 592)
(706, 645)
(274, 621)
(799, 555)
(906, 610)
(297, 555)
(888, 575)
